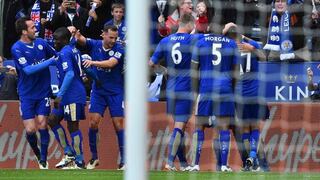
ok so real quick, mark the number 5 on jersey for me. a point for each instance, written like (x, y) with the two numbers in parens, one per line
(217, 53)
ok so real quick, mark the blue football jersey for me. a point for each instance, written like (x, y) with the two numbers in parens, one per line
(112, 79)
(176, 49)
(216, 56)
(70, 60)
(248, 84)
(35, 86)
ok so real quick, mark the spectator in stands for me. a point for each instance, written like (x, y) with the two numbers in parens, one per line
(286, 39)
(315, 27)
(8, 82)
(170, 25)
(70, 14)
(41, 14)
(100, 15)
(313, 86)
(117, 11)
(204, 12)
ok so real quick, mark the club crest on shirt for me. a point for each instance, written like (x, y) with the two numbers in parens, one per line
(111, 53)
(40, 47)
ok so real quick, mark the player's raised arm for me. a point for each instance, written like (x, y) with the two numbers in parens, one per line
(255, 48)
(81, 40)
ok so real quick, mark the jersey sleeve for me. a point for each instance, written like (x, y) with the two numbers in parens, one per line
(49, 50)
(158, 53)
(66, 60)
(195, 52)
(19, 58)
(90, 43)
(254, 44)
(118, 53)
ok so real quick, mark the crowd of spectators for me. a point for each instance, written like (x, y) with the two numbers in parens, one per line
(254, 16)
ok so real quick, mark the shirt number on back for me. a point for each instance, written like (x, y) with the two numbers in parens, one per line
(248, 63)
(176, 55)
(215, 51)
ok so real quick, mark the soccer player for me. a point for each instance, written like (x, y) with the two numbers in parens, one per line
(32, 57)
(249, 108)
(216, 58)
(70, 101)
(108, 61)
(176, 49)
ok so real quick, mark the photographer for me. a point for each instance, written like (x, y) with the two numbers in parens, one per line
(70, 14)
(312, 86)
(8, 82)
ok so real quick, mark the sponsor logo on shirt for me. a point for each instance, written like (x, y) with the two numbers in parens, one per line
(22, 60)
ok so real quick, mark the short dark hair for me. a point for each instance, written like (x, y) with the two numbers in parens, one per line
(21, 25)
(62, 33)
(117, 5)
(186, 18)
(111, 27)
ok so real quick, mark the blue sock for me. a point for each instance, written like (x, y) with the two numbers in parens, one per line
(198, 138)
(182, 154)
(224, 146)
(93, 141)
(77, 145)
(174, 144)
(216, 147)
(45, 138)
(254, 141)
(120, 135)
(245, 145)
(33, 142)
(60, 135)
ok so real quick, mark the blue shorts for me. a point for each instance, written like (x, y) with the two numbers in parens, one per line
(252, 112)
(180, 109)
(71, 112)
(99, 103)
(206, 106)
(58, 112)
(31, 108)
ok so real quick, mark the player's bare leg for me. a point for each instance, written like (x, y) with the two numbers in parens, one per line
(118, 124)
(94, 122)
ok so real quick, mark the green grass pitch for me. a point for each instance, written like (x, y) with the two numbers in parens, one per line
(7, 174)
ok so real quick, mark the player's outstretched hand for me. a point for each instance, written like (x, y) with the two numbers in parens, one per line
(57, 102)
(87, 63)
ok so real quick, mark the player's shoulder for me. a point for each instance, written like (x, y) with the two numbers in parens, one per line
(94, 42)
(118, 46)
(16, 45)
(40, 41)
(109, 22)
